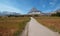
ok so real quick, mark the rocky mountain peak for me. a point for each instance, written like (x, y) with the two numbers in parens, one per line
(34, 10)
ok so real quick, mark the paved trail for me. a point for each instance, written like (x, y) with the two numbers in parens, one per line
(33, 28)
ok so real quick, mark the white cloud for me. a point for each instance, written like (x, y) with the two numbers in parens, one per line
(4, 7)
(53, 2)
(43, 6)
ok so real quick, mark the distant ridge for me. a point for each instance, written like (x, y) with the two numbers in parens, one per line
(5, 13)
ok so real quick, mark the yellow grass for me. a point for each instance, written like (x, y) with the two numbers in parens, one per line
(12, 26)
(51, 22)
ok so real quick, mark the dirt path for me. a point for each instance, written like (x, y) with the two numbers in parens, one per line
(33, 28)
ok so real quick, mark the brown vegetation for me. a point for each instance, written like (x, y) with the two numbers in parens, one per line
(50, 22)
(12, 26)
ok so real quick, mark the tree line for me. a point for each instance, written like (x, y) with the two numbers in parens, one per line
(56, 14)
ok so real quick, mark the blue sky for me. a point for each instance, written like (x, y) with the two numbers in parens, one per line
(24, 6)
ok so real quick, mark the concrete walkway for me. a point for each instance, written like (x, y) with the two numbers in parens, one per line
(33, 28)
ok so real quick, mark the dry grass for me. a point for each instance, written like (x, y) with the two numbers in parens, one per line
(50, 22)
(12, 26)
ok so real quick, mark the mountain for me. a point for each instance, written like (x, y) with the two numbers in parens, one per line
(34, 11)
(58, 10)
(4, 13)
(54, 12)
